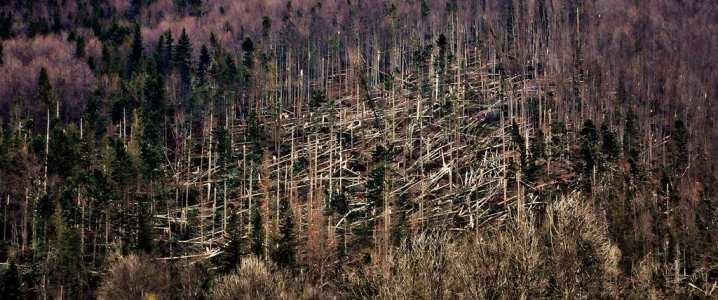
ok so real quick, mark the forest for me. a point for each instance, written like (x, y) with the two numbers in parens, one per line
(358, 149)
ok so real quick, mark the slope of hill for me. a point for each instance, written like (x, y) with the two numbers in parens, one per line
(358, 149)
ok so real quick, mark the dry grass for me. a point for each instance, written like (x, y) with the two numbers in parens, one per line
(565, 252)
(254, 279)
(136, 277)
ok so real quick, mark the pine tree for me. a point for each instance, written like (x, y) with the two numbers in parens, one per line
(425, 9)
(182, 58)
(679, 148)
(631, 143)
(538, 154)
(609, 144)
(589, 157)
(519, 144)
(400, 224)
(232, 251)
(144, 236)
(153, 120)
(247, 59)
(167, 51)
(257, 234)
(203, 64)
(266, 26)
(284, 253)
(135, 60)
(248, 49)
(10, 283)
(509, 24)
(69, 262)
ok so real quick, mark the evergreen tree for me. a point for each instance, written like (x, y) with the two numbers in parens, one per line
(229, 72)
(10, 283)
(609, 144)
(135, 60)
(266, 26)
(538, 154)
(203, 64)
(247, 60)
(631, 145)
(44, 88)
(589, 157)
(508, 16)
(519, 144)
(400, 224)
(284, 253)
(232, 251)
(425, 9)
(166, 51)
(257, 234)
(144, 236)
(248, 49)
(679, 148)
(69, 262)
(182, 58)
(153, 119)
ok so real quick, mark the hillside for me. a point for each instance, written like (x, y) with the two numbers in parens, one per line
(197, 149)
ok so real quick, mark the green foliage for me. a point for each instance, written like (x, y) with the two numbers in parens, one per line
(223, 147)
(10, 283)
(257, 233)
(44, 88)
(679, 147)
(203, 64)
(400, 223)
(537, 149)
(70, 271)
(284, 253)
(589, 153)
(134, 61)
(232, 252)
(425, 9)
(631, 142)
(182, 57)
(63, 156)
(609, 144)
(153, 120)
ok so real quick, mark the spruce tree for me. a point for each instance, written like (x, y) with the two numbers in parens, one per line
(589, 140)
(679, 148)
(400, 224)
(257, 234)
(153, 120)
(631, 144)
(609, 144)
(284, 253)
(69, 262)
(203, 64)
(232, 252)
(538, 154)
(10, 283)
(135, 60)
(182, 58)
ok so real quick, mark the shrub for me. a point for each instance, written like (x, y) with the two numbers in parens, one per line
(255, 279)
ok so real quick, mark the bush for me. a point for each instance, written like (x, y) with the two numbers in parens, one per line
(563, 253)
(135, 277)
(255, 279)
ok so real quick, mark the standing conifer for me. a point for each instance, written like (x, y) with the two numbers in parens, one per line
(134, 62)
(284, 254)
(257, 234)
(10, 283)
